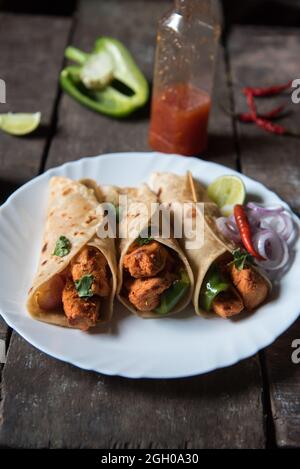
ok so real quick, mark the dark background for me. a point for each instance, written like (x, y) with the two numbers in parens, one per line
(263, 12)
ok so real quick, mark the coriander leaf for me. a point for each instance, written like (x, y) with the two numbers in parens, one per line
(240, 258)
(62, 247)
(141, 241)
(83, 286)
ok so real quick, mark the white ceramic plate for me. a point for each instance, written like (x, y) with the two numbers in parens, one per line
(165, 348)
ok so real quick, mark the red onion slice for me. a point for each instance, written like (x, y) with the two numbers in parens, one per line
(282, 224)
(259, 209)
(228, 229)
(273, 248)
(273, 234)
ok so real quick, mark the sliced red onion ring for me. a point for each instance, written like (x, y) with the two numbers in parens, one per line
(228, 229)
(293, 235)
(273, 248)
(259, 209)
(273, 233)
(282, 224)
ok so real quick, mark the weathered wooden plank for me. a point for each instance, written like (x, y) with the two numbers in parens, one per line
(82, 132)
(74, 408)
(31, 52)
(48, 403)
(221, 143)
(30, 58)
(270, 57)
(3, 340)
(284, 377)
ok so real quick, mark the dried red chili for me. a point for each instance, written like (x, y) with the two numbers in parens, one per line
(251, 102)
(264, 123)
(248, 117)
(268, 91)
(264, 120)
(271, 127)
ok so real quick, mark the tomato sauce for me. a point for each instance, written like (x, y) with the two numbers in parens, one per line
(179, 119)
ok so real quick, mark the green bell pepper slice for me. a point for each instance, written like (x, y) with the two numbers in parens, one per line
(171, 297)
(213, 284)
(101, 93)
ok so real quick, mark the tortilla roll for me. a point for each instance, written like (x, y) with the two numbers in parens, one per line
(73, 213)
(173, 189)
(148, 270)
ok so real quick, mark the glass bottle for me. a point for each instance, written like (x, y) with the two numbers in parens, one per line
(186, 49)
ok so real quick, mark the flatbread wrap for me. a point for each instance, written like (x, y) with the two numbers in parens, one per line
(76, 279)
(225, 282)
(154, 276)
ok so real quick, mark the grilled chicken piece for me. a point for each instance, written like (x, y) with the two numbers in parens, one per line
(252, 287)
(227, 304)
(90, 261)
(144, 294)
(81, 312)
(147, 260)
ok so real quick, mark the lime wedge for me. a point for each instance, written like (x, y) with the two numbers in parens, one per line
(19, 123)
(226, 191)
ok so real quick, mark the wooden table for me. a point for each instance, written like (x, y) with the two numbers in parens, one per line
(50, 404)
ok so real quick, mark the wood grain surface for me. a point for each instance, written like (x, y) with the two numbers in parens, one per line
(46, 403)
(272, 56)
(73, 408)
(195, 412)
(31, 50)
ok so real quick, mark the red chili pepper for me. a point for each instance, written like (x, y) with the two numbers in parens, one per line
(269, 90)
(243, 225)
(264, 120)
(271, 127)
(264, 124)
(248, 117)
(251, 103)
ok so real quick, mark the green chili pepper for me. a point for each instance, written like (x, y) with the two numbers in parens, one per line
(107, 80)
(213, 284)
(171, 297)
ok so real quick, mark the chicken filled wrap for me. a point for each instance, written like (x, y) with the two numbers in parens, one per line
(76, 280)
(226, 281)
(154, 276)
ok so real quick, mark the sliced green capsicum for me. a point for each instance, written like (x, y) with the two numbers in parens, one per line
(171, 297)
(213, 284)
(107, 80)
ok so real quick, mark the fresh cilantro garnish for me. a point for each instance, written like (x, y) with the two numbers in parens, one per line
(145, 236)
(84, 286)
(240, 258)
(62, 247)
(141, 241)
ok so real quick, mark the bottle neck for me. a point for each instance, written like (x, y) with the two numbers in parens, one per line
(207, 10)
(182, 5)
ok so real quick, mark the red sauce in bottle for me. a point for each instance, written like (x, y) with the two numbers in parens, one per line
(179, 119)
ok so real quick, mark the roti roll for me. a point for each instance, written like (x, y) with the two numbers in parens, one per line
(225, 282)
(76, 279)
(154, 276)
